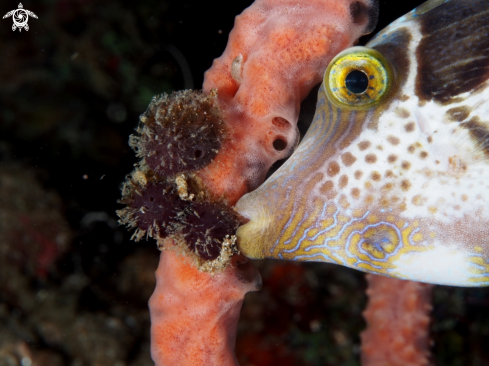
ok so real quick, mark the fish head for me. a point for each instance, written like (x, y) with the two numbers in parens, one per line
(391, 178)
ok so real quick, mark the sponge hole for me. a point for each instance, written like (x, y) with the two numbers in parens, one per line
(281, 123)
(279, 144)
(359, 13)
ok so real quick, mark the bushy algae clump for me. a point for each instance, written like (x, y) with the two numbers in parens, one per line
(178, 135)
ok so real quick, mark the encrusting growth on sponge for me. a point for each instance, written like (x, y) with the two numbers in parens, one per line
(179, 134)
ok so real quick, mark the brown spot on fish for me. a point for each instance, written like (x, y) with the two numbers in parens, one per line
(348, 159)
(456, 166)
(430, 139)
(389, 174)
(344, 202)
(358, 174)
(423, 154)
(343, 181)
(427, 173)
(405, 185)
(411, 148)
(375, 176)
(458, 114)
(392, 158)
(464, 197)
(369, 199)
(409, 127)
(370, 158)
(403, 98)
(364, 145)
(333, 168)
(453, 54)
(326, 187)
(393, 140)
(388, 187)
(417, 200)
(373, 124)
(406, 165)
(379, 147)
(368, 184)
(328, 191)
(402, 112)
(355, 192)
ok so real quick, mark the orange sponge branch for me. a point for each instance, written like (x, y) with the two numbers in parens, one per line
(194, 314)
(398, 320)
(276, 53)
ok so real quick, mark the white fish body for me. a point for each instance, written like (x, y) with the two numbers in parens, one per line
(392, 180)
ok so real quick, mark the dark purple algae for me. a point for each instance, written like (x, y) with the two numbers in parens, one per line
(178, 135)
(157, 210)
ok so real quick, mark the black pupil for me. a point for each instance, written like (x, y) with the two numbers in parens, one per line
(356, 82)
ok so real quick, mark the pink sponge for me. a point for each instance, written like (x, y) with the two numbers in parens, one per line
(277, 51)
(398, 320)
(194, 315)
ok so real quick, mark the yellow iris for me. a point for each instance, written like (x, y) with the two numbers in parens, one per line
(358, 78)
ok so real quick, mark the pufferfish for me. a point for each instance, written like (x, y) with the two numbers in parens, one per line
(392, 177)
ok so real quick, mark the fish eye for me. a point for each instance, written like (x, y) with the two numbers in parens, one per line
(356, 82)
(358, 78)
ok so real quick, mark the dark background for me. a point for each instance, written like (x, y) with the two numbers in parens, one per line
(73, 287)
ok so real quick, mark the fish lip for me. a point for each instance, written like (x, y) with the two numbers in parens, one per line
(248, 243)
(241, 211)
(242, 218)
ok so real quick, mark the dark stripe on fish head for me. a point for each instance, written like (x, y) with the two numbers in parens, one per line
(453, 53)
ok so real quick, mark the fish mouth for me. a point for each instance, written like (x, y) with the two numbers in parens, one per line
(248, 241)
(251, 235)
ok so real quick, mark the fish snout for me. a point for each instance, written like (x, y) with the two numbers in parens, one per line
(248, 241)
(252, 235)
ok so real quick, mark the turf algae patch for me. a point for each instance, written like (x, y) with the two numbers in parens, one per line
(181, 132)
(178, 135)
